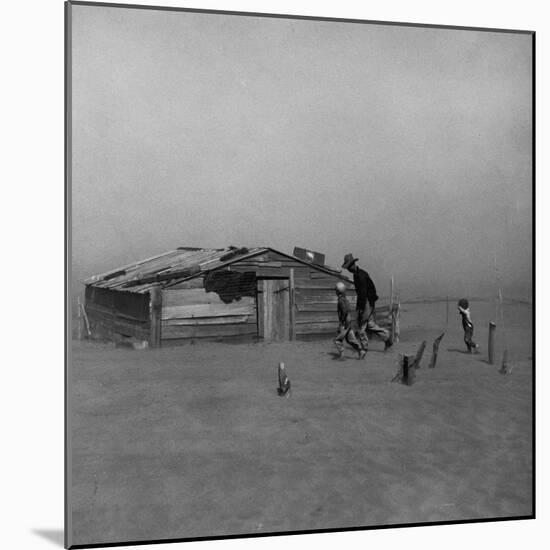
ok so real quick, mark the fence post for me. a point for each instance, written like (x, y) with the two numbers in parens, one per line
(395, 322)
(491, 346)
(435, 351)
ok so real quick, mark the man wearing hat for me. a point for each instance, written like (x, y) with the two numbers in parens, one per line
(366, 303)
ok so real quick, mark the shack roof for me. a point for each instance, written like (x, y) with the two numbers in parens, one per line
(182, 264)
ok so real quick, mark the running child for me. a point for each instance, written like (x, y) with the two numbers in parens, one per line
(467, 325)
(345, 332)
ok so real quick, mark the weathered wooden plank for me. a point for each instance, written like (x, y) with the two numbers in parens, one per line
(260, 308)
(196, 296)
(203, 331)
(262, 269)
(320, 325)
(112, 319)
(282, 291)
(321, 275)
(292, 262)
(273, 272)
(208, 310)
(325, 284)
(328, 297)
(198, 282)
(273, 309)
(300, 271)
(226, 320)
(119, 326)
(328, 308)
(164, 276)
(316, 317)
(94, 310)
(318, 306)
(91, 307)
(177, 261)
(132, 266)
(322, 303)
(322, 294)
(267, 299)
(249, 265)
(317, 328)
(296, 265)
(132, 306)
(189, 296)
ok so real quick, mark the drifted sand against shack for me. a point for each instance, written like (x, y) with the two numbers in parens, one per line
(194, 441)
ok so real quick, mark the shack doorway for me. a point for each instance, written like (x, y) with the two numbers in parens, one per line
(274, 310)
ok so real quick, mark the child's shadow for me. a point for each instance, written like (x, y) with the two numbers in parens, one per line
(335, 356)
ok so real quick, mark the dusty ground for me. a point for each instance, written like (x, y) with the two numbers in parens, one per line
(194, 441)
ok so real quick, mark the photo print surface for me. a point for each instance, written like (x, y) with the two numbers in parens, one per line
(301, 274)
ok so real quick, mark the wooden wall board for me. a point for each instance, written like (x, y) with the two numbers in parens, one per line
(197, 282)
(221, 320)
(317, 328)
(273, 309)
(201, 331)
(207, 310)
(197, 296)
(118, 326)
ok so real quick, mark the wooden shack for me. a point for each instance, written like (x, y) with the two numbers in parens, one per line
(234, 294)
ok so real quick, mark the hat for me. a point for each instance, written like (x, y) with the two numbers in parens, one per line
(349, 260)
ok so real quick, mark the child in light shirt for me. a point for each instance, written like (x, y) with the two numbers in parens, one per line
(345, 332)
(467, 325)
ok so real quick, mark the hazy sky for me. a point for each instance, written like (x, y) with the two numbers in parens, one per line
(409, 147)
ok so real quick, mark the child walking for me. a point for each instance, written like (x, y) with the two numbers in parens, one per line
(467, 325)
(345, 331)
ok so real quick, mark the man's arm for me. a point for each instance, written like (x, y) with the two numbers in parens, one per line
(372, 296)
(361, 284)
